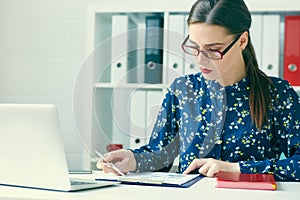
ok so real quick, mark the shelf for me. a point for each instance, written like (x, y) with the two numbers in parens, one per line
(120, 108)
(143, 6)
(185, 6)
(273, 5)
(138, 86)
(297, 88)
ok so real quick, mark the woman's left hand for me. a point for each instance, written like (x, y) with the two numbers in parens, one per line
(210, 167)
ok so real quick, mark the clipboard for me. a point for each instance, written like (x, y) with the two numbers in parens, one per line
(161, 179)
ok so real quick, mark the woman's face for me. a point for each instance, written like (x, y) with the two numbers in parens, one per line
(231, 68)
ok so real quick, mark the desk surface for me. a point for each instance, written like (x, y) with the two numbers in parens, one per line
(204, 188)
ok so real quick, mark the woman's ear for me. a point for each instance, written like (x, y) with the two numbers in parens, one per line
(244, 40)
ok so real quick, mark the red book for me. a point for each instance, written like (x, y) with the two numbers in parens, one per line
(246, 181)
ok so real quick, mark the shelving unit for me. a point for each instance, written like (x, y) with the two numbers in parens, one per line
(100, 105)
(297, 89)
(137, 86)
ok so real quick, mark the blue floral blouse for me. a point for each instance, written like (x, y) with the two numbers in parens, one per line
(201, 119)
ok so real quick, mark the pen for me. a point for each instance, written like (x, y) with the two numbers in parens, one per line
(111, 164)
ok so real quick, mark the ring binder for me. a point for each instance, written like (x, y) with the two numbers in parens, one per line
(291, 50)
(154, 49)
(176, 35)
(270, 39)
(122, 44)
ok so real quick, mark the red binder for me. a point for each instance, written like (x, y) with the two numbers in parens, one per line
(292, 50)
(246, 181)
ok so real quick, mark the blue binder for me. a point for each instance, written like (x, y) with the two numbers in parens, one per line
(154, 49)
(159, 179)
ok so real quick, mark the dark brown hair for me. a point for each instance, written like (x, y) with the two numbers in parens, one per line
(236, 18)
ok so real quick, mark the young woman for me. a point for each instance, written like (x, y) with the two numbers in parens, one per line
(231, 116)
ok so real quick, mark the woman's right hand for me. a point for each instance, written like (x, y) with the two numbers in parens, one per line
(122, 159)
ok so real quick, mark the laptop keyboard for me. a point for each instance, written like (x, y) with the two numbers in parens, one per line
(81, 182)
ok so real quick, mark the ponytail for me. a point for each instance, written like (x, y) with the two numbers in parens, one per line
(259, 99)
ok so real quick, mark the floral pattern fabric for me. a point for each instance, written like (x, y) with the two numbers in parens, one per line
(201, 119)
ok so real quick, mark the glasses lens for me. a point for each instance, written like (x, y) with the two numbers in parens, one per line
(213, 54)
(190, 50)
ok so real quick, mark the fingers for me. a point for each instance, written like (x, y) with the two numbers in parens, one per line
(212, 171)
(103, 163)
(116, 156)
(100, 164)
(204, 169)
(211, 168)
(123, 165)
(111, 156)
(120, 158)
(106, 167)
(207, 166)
(197, 163)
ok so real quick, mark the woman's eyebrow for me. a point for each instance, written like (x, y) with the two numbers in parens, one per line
(193, 42)
(214, 44)
(207, 45)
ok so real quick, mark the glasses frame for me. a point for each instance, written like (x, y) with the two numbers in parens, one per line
(221, 53)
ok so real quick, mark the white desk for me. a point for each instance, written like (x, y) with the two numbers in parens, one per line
(203, 188)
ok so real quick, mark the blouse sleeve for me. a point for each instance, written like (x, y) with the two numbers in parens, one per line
(287, 132)
(163, 146)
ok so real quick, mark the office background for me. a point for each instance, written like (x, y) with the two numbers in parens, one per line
(43, 44)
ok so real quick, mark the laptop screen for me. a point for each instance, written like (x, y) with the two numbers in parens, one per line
(31, 147)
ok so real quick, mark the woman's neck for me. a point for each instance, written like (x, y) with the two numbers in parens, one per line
(234, 76)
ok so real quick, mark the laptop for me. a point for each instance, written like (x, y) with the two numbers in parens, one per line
(32, 152)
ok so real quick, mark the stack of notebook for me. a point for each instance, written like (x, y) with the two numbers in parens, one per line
(246, 181)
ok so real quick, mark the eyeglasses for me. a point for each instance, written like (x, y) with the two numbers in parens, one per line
(211, 54)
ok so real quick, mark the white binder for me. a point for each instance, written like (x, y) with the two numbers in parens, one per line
(256, 36)
(122, 42)
(137, 119)
(189, 61)
(120, 117)
(154, 100)
(176, 35)
(270, 46)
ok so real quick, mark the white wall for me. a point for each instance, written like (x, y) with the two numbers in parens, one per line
(42, 46)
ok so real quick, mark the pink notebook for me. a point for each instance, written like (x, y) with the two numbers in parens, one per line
(246, 181)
